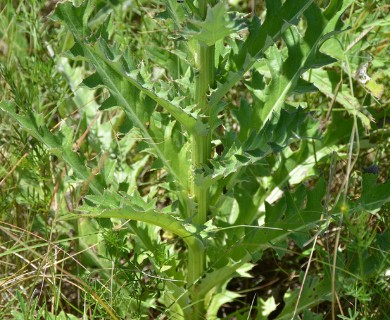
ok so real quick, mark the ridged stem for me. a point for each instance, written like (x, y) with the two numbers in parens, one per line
(201, 151)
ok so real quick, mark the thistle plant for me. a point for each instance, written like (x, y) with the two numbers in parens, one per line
(220, 176)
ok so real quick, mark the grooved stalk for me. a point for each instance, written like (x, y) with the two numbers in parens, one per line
(201, 150)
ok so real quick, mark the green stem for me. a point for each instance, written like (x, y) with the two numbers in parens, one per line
(201, 151)
(205, 79)
(202, 6)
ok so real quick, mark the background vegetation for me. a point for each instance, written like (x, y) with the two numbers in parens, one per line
(57, 268)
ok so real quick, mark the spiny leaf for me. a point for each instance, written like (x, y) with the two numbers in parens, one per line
(129, 88)
(58, 144)
(276, 132)
(303, 54)
(175, 11)
(172, 144)
(315, 291)
(76, 18)
(273, 137)
(215, 26)
(278, 19)
(111, 205)
(114, 68)
(266, 306)
(110, 67)
(292, 216)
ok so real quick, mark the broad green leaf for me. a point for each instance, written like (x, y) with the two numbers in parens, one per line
(171, 142)
(315, 291)
(177, 299)
(218, 300)
(297, 171)
(374, 194)
(296, 166)
(326, 81)
(354, 50)
(309, 315)
(220, 294)
(375, 88)
(220, 275)
(87, 106)
(88, 231)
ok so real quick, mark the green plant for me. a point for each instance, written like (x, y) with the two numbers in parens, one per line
(219, 163)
